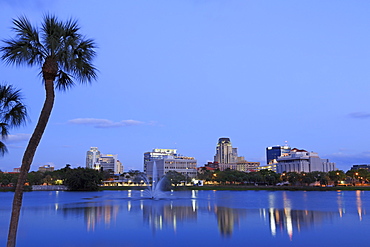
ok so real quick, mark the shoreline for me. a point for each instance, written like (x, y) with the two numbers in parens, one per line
(226, 187)
(245, 188)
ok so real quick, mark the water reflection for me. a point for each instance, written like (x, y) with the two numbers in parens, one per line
(168, 214)
(159, 216)
(96, 215)
(340, 203)
(204, 218)
(227, 218)
(93, 215)
(360, 209)
(288, 220)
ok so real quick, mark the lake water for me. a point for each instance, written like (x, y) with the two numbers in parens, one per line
(190, 218)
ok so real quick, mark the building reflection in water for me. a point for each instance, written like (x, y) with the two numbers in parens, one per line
(169, 213)
(97, 215)
(360, 209)
(340, 203)
(291, 220)
(227, 218)
(359, 205)
(93, 215)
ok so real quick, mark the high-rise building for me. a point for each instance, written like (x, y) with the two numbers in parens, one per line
(274, 152)
(225, 153)
(92, 158)
(169, 160)
(110, 162)
(106, 162)
(227, 157)
(299, 160)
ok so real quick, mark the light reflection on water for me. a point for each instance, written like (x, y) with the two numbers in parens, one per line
(289, 218)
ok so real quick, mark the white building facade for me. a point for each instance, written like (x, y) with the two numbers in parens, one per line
(168, 160)
(157, 154)
(302, 161)
(92, 158)
(106, 162)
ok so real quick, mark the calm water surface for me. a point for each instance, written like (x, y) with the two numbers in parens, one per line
(190, 218)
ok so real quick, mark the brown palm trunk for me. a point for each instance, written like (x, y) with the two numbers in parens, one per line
(28, 158)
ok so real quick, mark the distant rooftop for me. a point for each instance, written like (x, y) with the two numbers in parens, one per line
(224, 140)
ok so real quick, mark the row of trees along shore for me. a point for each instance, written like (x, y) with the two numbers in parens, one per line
(266, 177)
(77, 179)
(89, 179)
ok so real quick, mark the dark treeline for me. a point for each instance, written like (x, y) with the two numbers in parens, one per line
(266, 177)
(76, 179)
(89, 179)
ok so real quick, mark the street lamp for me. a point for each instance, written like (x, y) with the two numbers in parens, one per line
(353, 178)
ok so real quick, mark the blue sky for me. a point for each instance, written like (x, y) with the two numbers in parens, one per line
(181, 74)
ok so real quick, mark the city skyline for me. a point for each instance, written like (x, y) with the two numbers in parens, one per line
(183, 74)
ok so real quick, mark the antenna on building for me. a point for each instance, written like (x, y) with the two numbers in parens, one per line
(286, 144)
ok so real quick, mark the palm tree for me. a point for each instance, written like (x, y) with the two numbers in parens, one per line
(12, 112)
(63, 55)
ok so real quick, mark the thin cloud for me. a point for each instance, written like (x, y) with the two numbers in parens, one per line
(104, 123)
(35, 5)
(347, 153)
(360, 115)
(17, 138)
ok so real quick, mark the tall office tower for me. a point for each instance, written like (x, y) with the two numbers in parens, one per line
(110, 163)
(106, 162)
(225, 153)
(92, 158)
(274, 152)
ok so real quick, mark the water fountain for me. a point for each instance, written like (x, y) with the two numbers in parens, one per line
(154, 190)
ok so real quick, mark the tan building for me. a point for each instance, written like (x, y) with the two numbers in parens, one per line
(247, 166)
(46, 168)
(227, 158)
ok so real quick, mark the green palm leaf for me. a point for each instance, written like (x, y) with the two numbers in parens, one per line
(12, 112)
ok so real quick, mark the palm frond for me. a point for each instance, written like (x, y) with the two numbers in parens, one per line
(17, 115)
(12, 112)
(80, 62)
(51, 33)
(4, 130)
(77, 53)
(71, 29)
(64, 81)
(3, 149)
(9, 95)
(26, 47)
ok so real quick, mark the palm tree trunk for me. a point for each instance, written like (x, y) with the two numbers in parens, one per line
(28, 158)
